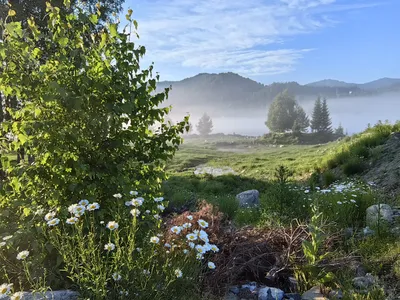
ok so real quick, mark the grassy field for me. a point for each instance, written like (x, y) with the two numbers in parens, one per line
(248, 158)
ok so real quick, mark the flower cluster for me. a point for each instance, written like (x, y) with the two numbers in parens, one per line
(5, 292)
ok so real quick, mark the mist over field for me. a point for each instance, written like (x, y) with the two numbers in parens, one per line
(354, 113)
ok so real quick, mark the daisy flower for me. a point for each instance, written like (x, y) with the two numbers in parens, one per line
(83, 202)
(53, 222)
(211, 265)
(72, 220)
(135, 212)
(118, 196)
(109, 247)
(112, 225)
(23, 254)
(137, 201)
(93, 206)
(178, 273)
(49, 216)
(191, 236)
(190, 218)
(202, 223)
(17, 296)
(154, 240)
(5, 289)
(116, 277)
(176, 229)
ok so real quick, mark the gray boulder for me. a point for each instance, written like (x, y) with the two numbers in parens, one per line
(268, 293)
(248, 199)
(53, 295)
(313, 294)
(382, 211)
(364, 282)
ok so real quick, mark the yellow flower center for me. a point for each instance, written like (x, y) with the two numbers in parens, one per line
(3, 290)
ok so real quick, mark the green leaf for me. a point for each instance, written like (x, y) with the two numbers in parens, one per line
(14, 29)
(327, 278)
(94, 19)
(22, 138)
(113, 30)
(63, 41)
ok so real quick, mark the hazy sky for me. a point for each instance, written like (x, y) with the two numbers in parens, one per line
(271, 40)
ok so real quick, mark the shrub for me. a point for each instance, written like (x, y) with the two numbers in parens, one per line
(355, 165)
(328, 177)
(85, 109)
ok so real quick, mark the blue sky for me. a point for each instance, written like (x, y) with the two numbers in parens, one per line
(271, 40)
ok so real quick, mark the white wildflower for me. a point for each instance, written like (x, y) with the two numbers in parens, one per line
(133, 193)
(116, 277)
(137, 201)
(353, 201)
(191, 236)
(83, 202)
(199, 256)
(23, 254)
(200, 249)
(93, 206)
(79, 210)
(176, 229)
(118, 196)
(202, 223)
(185, 251)
(191, 245)
(178, 273)
(2, 244)
(339, 202)
(159, 199)
(203, 236)
(128, 203)
(112, 225)
(211, 265)
(16, 296)
(135, 212)
(139, 249)
(186, 225)
(4, 290)
(161, 207)
(154, 240)
(157, 216)
(109, 247)
(190, 218)
(147, 211)
(53, 222)
(146, 272)
(72, 220)
(71, 208)
(6, 238)
(166, 245)
(49, 216)
(214, 248)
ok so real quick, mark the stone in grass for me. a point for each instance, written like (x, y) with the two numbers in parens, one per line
(313, 294)
(364, 282)
(293, 296)
(248, 199)
(53, 295)
(269, 293)
(373, 212)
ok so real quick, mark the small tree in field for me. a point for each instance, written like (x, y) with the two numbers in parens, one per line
(282, 113)
(326, 123)
(205, 125)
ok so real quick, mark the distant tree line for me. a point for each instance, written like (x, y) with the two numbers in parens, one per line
(285, 114)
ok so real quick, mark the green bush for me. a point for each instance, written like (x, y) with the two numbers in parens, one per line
(85, 110)
(354, 165)
(328, 177)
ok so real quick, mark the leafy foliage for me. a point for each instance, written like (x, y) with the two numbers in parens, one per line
(86, 110)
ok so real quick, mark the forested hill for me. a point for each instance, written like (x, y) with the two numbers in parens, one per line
(232, 91)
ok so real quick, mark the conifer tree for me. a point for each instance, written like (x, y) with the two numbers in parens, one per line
(205, 125)
(326, 123)
(301, 122)
(316, 116)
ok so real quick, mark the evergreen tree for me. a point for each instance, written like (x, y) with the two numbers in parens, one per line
(339, 131)
(326, 123)
(316, 116)
(205, 125)
(301, 122)
(282, 113)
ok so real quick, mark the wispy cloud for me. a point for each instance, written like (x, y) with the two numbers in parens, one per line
(247, 37)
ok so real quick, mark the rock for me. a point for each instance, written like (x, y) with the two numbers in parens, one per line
(335, 294)
(252, 286)
(234, 289)
(293, 296)
(395, 231)
(368, 232)
(248, 199)
(373, 212)
(364, 282)
(231, 296)
(360, 271)
(314, 294)
(53, 295)
(268, 293)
